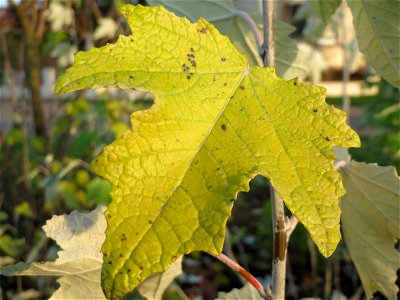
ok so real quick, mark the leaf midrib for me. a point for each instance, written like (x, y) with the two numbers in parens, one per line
(187, 168)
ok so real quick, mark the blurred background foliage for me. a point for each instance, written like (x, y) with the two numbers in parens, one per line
(47, 142)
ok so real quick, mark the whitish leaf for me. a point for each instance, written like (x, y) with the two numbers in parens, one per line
(246, 292)
(216, 124)
(60, 16)
(79, 262)
(371, 224)
(378, 34)
(154, 286)
(106, 29)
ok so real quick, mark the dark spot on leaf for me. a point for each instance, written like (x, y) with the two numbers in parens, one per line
(141, 267)
(193, 63)
(130, 77)
(202, 30)
(326, 138)
(294, 82)
(213, 78)
(218, 169)
(191, 49)
(242, 87)
(223, 127)
(132, 40)
(151, 222)
(121, 255)
(315, 110)
(109, 215)
(104, 254)
(209, 187)
(110, 262)
(129, 270)
(225, 83)
(188, 77)
(223, 59)
(123, 237)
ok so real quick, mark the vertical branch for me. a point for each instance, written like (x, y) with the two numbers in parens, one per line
(280, 241)
(280, 237)
(268, 27)
(346, 71)
(12, 87)
(32, 66)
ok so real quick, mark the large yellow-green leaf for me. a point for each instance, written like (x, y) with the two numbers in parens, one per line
(216, 123)
(378, 34)
(371, 224)
(228, 17)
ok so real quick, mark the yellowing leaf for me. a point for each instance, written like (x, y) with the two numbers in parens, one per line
(78, 264)
(216, 123)
(378, 34)
(371, 224)
(153, 287)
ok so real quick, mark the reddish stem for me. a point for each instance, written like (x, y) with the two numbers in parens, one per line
(242, 271)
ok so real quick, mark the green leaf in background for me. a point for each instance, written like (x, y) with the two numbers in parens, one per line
(371, 224)
(325, 8)
(11, 246)
(216, 123)
(98, 192)
(246, 292)
(378, 35)
(153, 287)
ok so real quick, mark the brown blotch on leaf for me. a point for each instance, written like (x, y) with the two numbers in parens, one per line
(123, 237)
(315, 110)
(294, 82)
(121, 255)
(225, 83)
(151, 222)
(202, 30)
(132, 40)
(326, 138)
(193, 63)
(129, 270)
(223, 127)
(223, 59)
(110, 262)
(131, 77)
(242, 87)
(191, 49)
(188, 77)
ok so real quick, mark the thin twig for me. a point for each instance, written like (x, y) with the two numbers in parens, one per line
(253, 26)
(246, 274)
(229, 252)
(346, 70)
(291, 224)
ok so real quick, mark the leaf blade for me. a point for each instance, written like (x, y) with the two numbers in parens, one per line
(176, 174)
(372, 194)
(378, 35)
